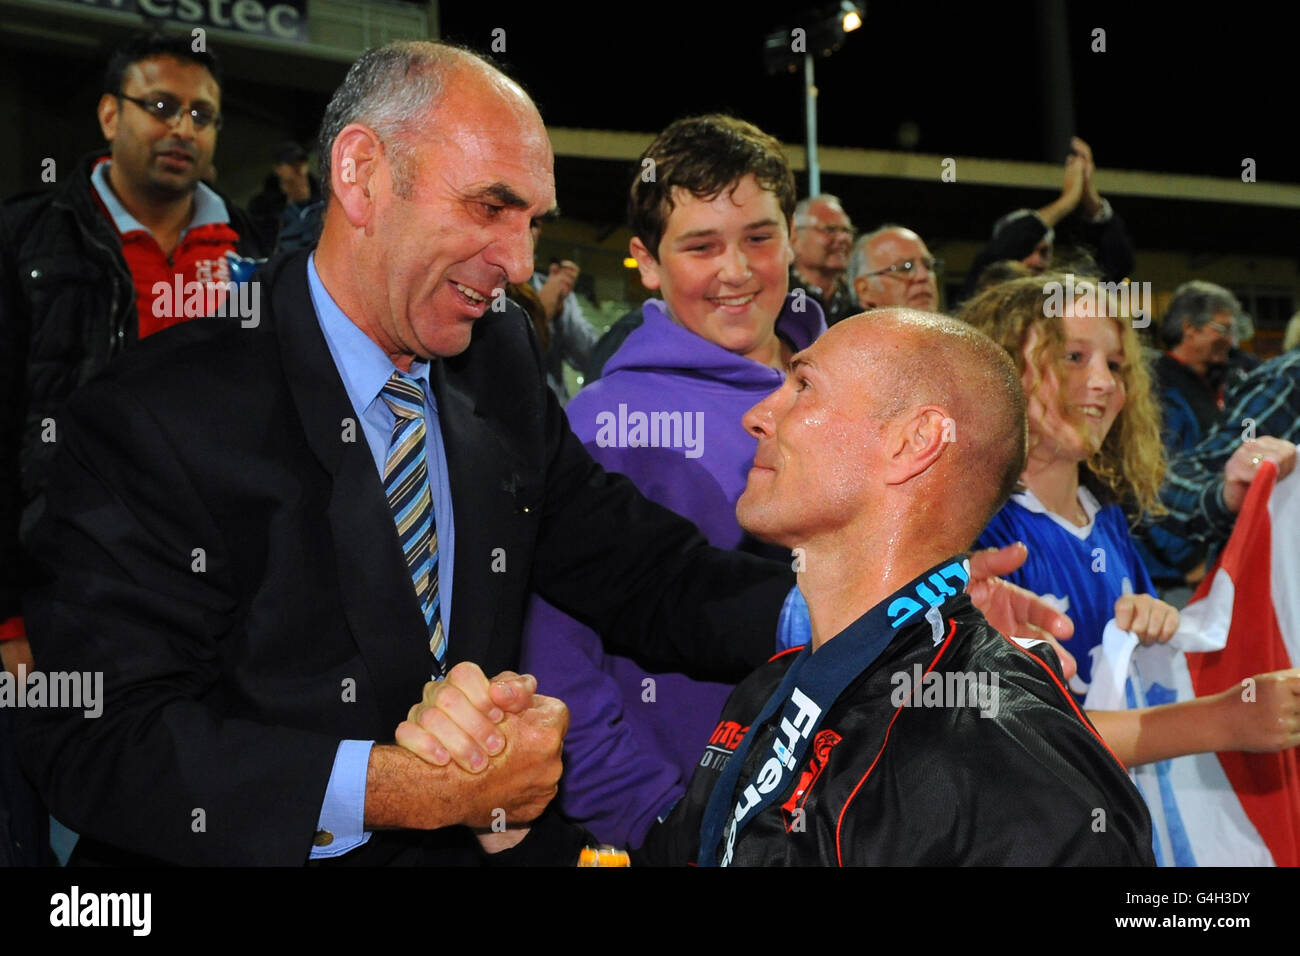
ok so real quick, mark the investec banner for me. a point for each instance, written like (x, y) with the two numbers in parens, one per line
(281, 19)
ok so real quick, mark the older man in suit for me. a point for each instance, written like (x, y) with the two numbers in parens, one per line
(268, 536)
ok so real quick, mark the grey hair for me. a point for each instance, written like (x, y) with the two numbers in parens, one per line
(801, 217)
(858, 263)
(390, 89)
(1291, 339)
(1196, 303)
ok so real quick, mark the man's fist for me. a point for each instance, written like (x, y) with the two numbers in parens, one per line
(525, 776)
(457, 717)
(1151, 619)
(404, 791)
(1245, 461)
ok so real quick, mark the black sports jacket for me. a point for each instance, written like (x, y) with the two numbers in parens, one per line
(917, 736)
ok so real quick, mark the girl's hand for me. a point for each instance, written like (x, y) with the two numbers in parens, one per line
(1263, 714)
(1152, 620)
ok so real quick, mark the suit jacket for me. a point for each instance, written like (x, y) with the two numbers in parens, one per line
(218, 544)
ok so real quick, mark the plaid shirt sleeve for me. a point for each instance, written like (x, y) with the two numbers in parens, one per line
(1193, 490)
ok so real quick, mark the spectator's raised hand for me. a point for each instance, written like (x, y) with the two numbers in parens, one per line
(1072, 184)
(1090, 198)
(1013, 610)
(561, 279)
(1242, 467)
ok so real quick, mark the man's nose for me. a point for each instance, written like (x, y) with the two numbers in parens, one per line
(515, 256)
(182, 125)
(760, 420)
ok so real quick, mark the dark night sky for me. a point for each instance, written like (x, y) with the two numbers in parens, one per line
(1175, 90)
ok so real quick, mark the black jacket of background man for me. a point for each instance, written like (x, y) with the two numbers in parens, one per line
(1109, 241)
(227, 689)
(67, 308)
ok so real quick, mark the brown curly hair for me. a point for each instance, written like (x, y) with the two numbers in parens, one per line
(1129, 467)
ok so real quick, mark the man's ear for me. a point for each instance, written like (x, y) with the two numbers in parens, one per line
(862, 288)
(646, 263)
(916, 442)
(107, 111)
(355, 159)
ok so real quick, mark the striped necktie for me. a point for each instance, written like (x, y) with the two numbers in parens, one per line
(406, 482)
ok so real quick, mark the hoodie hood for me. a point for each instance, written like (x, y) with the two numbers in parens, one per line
(663, 346)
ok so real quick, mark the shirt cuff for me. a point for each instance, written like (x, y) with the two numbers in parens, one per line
(1103, 215)
(343, 813)
(13, 629)
(1218, 518)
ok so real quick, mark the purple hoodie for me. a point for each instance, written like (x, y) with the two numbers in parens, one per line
(667, 413)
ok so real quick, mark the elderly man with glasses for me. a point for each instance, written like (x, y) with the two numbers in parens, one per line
(822, 238)
(892, 267)
(84, 260)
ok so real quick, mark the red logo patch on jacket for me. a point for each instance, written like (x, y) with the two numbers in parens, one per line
(724, 740)
(822, 746)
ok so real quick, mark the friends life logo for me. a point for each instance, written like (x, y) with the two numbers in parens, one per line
(624, 429)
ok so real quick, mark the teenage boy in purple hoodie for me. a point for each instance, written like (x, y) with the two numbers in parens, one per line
(711, 222)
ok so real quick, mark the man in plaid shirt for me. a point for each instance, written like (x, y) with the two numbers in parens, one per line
(1205, 486)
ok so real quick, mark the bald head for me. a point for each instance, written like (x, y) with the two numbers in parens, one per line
(396, 90)
(893, 247)
(892, 420)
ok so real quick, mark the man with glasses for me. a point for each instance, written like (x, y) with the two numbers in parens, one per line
(1197, 333)
(83, 263)
(822, 238)
(892, 267)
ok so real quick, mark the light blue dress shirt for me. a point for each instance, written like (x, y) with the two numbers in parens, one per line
(208, 206)
(365, 368)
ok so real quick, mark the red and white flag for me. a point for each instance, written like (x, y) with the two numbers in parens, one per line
(1227, 809)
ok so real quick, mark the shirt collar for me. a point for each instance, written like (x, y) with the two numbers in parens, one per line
(1087, 500)
(209, 208)
(361, 362)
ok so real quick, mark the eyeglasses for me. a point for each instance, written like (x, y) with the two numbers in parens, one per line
(165, 107)
(907, 267)
(1219, 327)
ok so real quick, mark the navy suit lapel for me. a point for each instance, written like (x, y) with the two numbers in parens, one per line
(378, 599)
